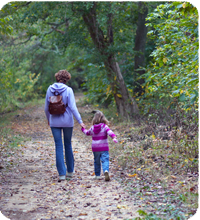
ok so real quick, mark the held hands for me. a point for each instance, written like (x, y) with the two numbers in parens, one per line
(115, 140)
(82, 125)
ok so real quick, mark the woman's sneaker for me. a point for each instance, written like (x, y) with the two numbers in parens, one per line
(106, 174)
(69, 174)
(97, 177)
(61, 178)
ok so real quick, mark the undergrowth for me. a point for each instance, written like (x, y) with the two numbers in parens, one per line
(159, 167)
(156, 161)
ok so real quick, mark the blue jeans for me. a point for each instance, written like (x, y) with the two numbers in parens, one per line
(101, 157)
(69, 157)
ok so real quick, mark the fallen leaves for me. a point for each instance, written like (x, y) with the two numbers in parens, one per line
(82, 214)
(152, 168)
(173, 177)
(122, 206)
(132, 175)
(81, 195)
(37, 170)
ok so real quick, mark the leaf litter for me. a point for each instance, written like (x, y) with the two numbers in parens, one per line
(29, 179)
(30, 190)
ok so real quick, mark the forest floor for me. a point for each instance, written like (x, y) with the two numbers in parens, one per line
(140, 182)
(29, 181)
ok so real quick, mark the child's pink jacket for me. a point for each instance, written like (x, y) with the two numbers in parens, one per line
(99, 133)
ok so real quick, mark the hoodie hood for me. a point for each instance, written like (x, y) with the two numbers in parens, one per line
(97, 128)
(59, 87)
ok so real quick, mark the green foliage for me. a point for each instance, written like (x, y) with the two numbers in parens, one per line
(3, 27)
(5, 18)
(9, 140)
(98, 85)
(150, 216)
(173, 74)
(16, 82)
(54, 36)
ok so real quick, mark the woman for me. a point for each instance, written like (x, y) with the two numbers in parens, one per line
(63, 122)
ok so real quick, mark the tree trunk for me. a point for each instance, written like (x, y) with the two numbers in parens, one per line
(140, 41)
(126, 106)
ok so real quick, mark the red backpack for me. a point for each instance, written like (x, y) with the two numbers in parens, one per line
(56, 105)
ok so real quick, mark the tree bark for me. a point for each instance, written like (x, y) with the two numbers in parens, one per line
(126, 106)
(140, 41)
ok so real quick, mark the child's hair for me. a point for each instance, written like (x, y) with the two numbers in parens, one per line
(99, 117)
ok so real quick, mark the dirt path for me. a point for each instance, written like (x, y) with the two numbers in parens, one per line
(30, 190)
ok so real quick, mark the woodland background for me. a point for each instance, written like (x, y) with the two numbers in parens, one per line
(140, 57)
(136, 61)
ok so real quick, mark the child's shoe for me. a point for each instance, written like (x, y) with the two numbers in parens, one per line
(106, 174)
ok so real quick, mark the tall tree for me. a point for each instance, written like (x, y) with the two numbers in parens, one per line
(126, 106)
(140, 43)
(92, 26)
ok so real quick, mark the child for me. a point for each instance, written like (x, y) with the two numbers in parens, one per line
(99, 132)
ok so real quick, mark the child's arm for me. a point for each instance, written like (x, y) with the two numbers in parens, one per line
(115, 139)
(87, 132)
(111, 134)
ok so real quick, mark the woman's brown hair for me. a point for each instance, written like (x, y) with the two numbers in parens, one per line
(63, 76)
(99, 117)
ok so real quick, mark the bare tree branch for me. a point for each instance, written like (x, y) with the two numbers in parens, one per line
(29, 38)
(55, 29)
